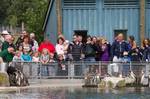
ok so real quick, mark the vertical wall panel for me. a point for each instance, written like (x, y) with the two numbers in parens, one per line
(101, 21)
(51, 27)
(147, 34)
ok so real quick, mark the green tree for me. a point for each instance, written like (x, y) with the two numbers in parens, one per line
(35, 17)
(31, 12)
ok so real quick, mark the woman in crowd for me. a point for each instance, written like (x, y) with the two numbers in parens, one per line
(94, 40)
(26, 44)
(60, 47)
(105, 48)
(134, 52)
(98, 48)
(66, 44)
(89, 50)
(146, 50)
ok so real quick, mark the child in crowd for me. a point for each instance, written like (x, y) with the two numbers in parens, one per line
(44, 59)
(126, 67)
(20, 49)
(26, 56)
(35, 57)
(62, 68)
(35, 65)
(51, 67)
(17, 56)
(51, 58)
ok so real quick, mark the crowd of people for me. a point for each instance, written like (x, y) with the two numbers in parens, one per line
(26, 48)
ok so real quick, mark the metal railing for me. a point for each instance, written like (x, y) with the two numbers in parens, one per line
(71, 70)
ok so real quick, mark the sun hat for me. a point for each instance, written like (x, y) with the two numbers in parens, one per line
(5, 32)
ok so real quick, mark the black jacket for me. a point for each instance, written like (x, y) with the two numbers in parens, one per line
(75, 50)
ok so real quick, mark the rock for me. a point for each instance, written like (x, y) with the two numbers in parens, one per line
(121, 84)
(113, 80)
(102, 85)
(130, 79)
(4, 79)
(110, 84)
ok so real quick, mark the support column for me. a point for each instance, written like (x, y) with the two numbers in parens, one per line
(142, 20)
(59, 16)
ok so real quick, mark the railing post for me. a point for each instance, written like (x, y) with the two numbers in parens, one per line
(82, 68)
(3, 67)
(99, 66)
(40, 66)
(71, 69)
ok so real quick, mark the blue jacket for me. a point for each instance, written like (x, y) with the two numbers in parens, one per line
(118, 48)
(26, 58)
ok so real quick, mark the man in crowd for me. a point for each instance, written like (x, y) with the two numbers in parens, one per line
(8, 49)
(75, 53)
(75, 49)
(119, 47)
(2, 37)
(20, 39)
(34, 43)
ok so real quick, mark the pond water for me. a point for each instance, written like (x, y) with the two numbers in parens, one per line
(77, 93)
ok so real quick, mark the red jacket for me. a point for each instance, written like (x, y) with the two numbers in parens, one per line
(48, 45)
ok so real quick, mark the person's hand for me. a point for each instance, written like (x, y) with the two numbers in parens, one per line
(82, 56)
(11, 50)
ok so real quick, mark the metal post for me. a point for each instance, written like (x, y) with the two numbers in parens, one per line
(142, 20)
(100, 67)
(40, 66)
(69, 69)
(72, 69)
(59, 16)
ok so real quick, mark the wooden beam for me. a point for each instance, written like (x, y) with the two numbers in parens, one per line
(142, 20)
(59, 16)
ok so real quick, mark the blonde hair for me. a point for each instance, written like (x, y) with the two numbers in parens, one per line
(45, 50)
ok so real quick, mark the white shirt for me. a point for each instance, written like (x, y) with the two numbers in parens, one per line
(59, 49)
(35, 59)
(35, 46)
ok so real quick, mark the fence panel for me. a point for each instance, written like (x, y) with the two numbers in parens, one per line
(69, 70)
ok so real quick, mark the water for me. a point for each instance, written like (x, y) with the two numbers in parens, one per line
(77, 93)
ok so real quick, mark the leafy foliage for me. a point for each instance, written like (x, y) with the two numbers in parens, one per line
(31, 12)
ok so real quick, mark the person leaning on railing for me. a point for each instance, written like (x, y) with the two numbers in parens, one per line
(75, 49)
(7, 54)
(8, 49)
(89, 50)
(119, 47)
(146, 50)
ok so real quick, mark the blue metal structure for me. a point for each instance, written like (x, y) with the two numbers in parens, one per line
(99, 17)
(147, 18)
(50, 25)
